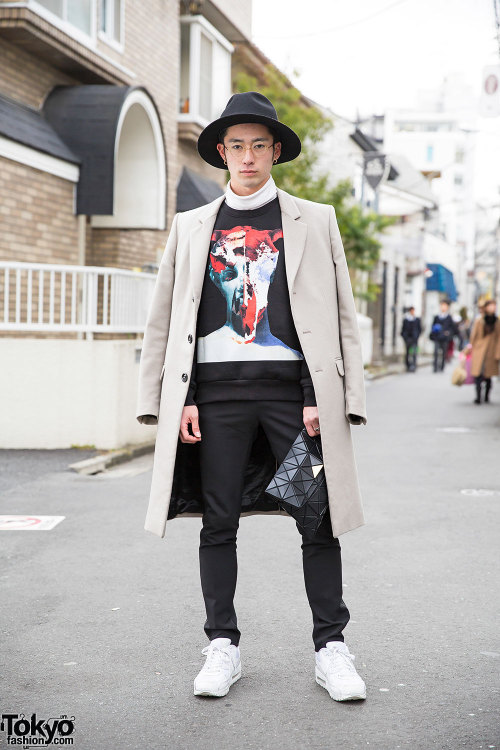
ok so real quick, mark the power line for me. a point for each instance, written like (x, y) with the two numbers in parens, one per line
(334, 28)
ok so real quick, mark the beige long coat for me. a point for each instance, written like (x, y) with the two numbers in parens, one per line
(323, 310)
(485, 349)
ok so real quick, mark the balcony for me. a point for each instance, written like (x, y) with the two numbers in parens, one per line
(61, 44)
(205, 77)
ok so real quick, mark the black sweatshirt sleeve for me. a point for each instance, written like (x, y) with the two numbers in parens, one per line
(307, 385)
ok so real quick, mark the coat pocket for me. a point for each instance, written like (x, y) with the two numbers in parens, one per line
(340, 366)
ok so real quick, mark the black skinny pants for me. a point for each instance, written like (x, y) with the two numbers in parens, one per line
(440, 349)
(227, 433)
(411, 354)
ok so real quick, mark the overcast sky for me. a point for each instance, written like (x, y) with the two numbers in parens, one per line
(374, 54)
(370, 55)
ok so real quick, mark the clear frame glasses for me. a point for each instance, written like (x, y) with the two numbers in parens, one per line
(237, 150)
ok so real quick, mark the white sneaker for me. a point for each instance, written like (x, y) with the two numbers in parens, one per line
(335, 672)
(222, 668)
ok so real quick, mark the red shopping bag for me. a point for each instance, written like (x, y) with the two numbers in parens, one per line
(449, 350)
(466, 360)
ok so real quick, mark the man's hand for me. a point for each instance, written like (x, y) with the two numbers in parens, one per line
(354, 418)
(189, 417)
(311, 420)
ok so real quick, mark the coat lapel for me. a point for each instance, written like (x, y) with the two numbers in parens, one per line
(199, 242)
(294, 239)
(294, 236)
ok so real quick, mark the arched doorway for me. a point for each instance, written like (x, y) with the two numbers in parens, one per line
(139, 168)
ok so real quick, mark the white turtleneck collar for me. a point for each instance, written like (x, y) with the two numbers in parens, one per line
(266, 193)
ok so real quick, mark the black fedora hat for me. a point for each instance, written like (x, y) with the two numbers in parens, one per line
(249, 106)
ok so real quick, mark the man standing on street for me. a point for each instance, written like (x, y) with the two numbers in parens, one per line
(443, 331)
(410, 332)
(271, 286)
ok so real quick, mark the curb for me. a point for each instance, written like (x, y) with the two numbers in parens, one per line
(100, 463)
(386, 372)
(381, 374)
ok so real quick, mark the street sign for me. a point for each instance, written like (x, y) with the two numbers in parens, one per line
(489, 104)
(29, 523)
(376, 169)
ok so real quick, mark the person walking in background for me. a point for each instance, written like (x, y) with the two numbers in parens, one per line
(464, 329)
(410, 332)
(480, 308)
(485, 342)
(442, 332)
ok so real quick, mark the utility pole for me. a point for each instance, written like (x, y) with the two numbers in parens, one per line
(496, 10)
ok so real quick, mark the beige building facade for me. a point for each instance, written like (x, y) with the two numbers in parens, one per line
(60, 201)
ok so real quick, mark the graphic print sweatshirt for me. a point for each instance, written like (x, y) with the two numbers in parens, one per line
(246, 342)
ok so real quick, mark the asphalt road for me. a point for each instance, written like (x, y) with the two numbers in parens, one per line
(103, 621)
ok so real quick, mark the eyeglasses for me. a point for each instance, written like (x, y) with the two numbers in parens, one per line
(238, 150)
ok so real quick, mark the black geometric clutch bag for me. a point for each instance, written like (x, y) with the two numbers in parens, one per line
(299, 484)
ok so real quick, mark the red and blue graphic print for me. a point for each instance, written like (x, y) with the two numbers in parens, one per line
(242, 263)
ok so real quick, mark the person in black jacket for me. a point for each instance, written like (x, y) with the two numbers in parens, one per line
(443, 330)
(411, 330)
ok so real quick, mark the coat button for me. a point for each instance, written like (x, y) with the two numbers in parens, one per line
(192, 299)
(184, 376)
(190, 339)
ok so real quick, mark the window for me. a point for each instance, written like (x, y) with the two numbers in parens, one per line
(79, 13)
(205, 65)
(458, 179)
(430, 153)
(205, 77)
(459, 155)
(430, 127)
(111, 19)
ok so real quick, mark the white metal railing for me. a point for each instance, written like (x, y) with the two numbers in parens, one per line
(91, 299)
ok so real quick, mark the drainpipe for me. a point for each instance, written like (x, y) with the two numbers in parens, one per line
(81, 247)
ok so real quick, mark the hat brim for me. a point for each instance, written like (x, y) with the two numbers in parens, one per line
(209, 138)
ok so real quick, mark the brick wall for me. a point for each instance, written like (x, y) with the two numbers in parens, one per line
(37, 223)
(240, 13)
(124, 248)
(151, 51)
(26, 78)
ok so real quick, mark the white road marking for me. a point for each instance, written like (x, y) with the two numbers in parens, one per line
(454, 429)
(29, 523)
(479, 492)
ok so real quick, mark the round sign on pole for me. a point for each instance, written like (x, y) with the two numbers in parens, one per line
(490, 92)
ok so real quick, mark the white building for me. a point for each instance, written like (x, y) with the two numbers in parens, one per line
(439, 137)
(406, 194)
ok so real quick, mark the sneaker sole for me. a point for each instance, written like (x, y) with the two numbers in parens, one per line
(220, 693)
(339, 696)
